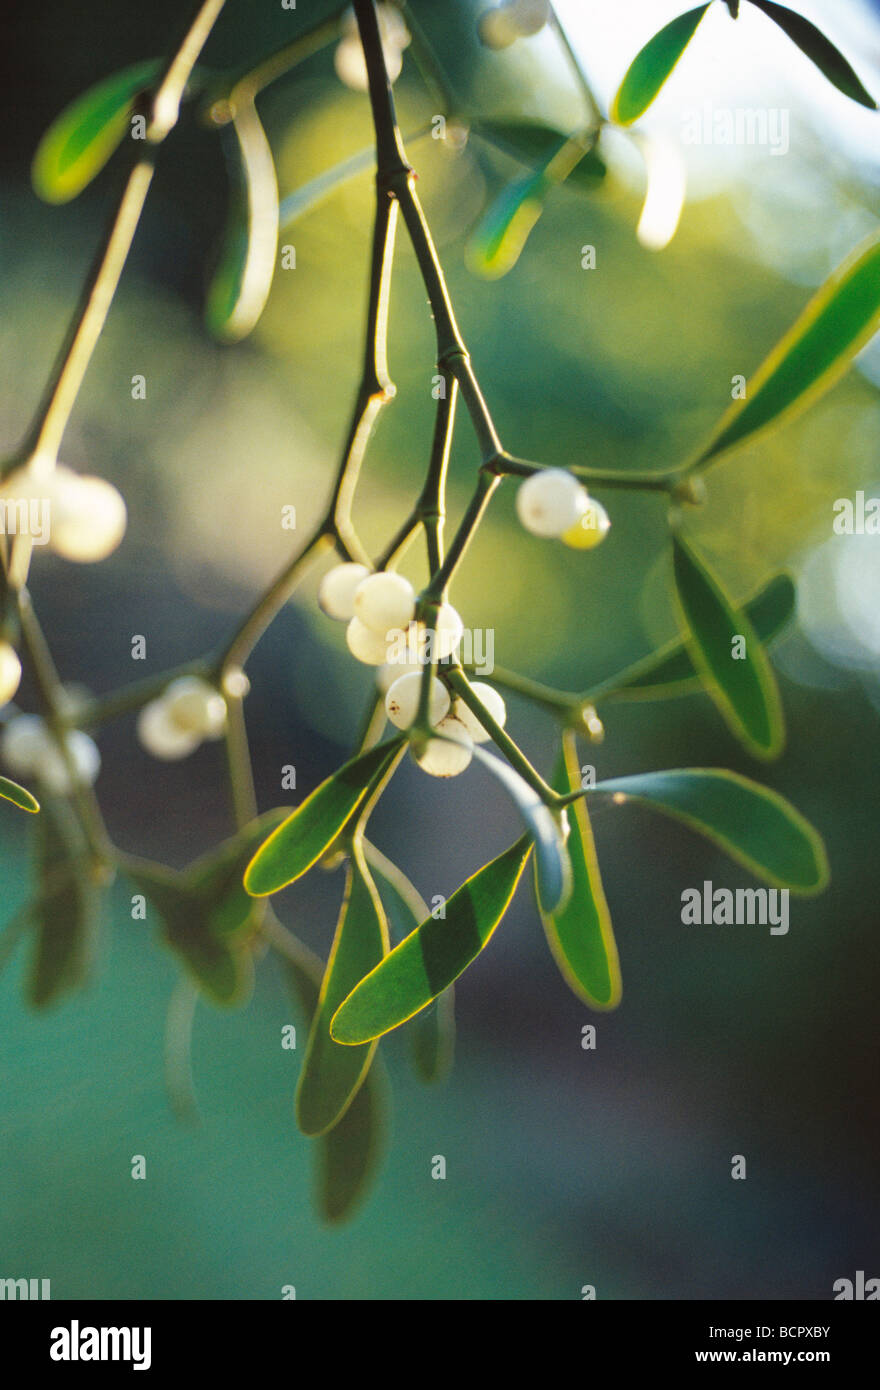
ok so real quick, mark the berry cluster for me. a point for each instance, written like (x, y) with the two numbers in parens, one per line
(86, 515)
(512, 20)
(187, 712)
(553, 503)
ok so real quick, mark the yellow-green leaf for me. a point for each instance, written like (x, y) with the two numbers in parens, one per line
(82, 138)
(728, 655)
(652, 65)
(428, 960)
(331, 1074)
(580, 935)
(837, 323)
(240, 285)
(19, 796)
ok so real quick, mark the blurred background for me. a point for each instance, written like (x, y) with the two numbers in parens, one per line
(565, 1167)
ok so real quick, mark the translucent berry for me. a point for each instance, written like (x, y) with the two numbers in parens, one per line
(448, 756)
(10, 672)
(494, 704)
(497, 29)
(88, 517)
(365, 644)
(551, 502)
(591, 530)
(402, 700)
(196, 707)
(337, 589)
(29, 748)
(385, 602)
(161, 737)
(448, 630)
(391, 671)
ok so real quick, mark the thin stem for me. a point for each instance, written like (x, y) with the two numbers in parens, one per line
(555, 700)
(246, 87)
(105, 708)
(238, 762)
(254, 624)
(459, 682)
(437, 588)
(634, 481)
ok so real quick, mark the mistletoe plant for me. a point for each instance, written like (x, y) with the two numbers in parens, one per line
(215, 916)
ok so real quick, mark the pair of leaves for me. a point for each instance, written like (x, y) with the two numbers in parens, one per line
(654, 64)
(242, 280)
(207, 916)
(19, 796)
(66, 911)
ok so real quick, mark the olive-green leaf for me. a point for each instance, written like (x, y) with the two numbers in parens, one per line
(754, 825)
(216, 878)
(301, 840)
(535, 144)
(580, 934)
(349, 1153)
(552, 866)
(67, 909)
(428, 960)
(670, 671)
(728, 655)
(19, 796)
(820, 50)
(82, 138)
(814, 354)
(432, 1031)
(331, 1074)
(240, 286)
(651, 66)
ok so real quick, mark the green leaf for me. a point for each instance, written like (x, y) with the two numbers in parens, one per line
(216, 878)
(821, 51)
(432, 1031)
(349, 1153)
(651, 67)
(240, 286)
(82, 138)
(743, 687)
(580, 935)
(552, 865)
(813, 355)
(670, 671)
(332, 1074)
(67, 909)
(754, 825)
(301, 840)
(435, 954)
(19, 796)
(535, 144)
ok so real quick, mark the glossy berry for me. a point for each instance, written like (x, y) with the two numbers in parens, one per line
(551, 502)
(494, 704)
(161, 737)
(448, 631)
(88, 517)
(385, 602)
(591, 530)
(10, 672)
(402, 700)
(337, 589)
(196, 707)
(365, 644)
(391, 671)
(448, 756)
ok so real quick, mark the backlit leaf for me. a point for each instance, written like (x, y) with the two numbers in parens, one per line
(820, 50)
(430, 958)
(736, 672)
(19, 796)
(67, 909)
(552, 867)
(653, 65)
(754, 825)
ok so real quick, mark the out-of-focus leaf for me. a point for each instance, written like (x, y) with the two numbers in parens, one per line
(552, 865)
(754, 825)
(241, 283)
(349, 1153)
(82, 138)
(332, 1074)
(814, 354)
(301, 840)
(580, 934)
(430, 958)
(216, 878)
(67, 909)
(670, 671)
(820, 50)
(432, 1031)
(742, 686)
(651, 67)
(19, 796)
(535, 144)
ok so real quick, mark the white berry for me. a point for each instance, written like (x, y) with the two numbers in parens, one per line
(365, 644)
(30, 748)
(337, 589)
(162, 738)
(21, 740)
(591, 530)
(196, 707)
(10, 672)
(448, 756)
(391, 671)
(448, 631)
(528, 16)
(551, 502)
(497, 29)
(385, 602)
(88, 517)
(402, 700)
(494, 704)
